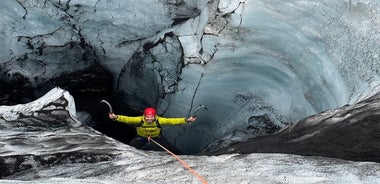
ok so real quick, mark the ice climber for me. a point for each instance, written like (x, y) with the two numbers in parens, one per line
(149, 125)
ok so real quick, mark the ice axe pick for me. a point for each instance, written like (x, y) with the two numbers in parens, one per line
(108, 104)
(197, 109)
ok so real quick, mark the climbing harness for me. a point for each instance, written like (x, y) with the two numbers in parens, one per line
(156, 122)
(181, 161)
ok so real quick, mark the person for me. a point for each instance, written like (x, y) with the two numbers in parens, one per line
(149, 125)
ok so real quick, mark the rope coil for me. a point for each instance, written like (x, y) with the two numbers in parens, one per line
(181, 161)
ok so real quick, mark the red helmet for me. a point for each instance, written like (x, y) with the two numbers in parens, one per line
(150, 111)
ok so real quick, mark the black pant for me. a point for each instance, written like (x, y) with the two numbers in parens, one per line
(141, 143)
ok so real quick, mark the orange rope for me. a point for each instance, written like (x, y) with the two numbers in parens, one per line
(182, 162)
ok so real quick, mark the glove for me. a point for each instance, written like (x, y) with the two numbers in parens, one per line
(191, 119)
(112, 116)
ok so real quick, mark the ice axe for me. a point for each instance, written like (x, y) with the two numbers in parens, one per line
(108, 104)
(197, 109)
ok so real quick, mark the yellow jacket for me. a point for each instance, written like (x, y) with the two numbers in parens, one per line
(145, 129)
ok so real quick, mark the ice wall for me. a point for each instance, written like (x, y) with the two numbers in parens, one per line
(257, 65)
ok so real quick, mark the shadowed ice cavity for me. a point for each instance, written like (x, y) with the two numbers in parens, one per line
(256, 86)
